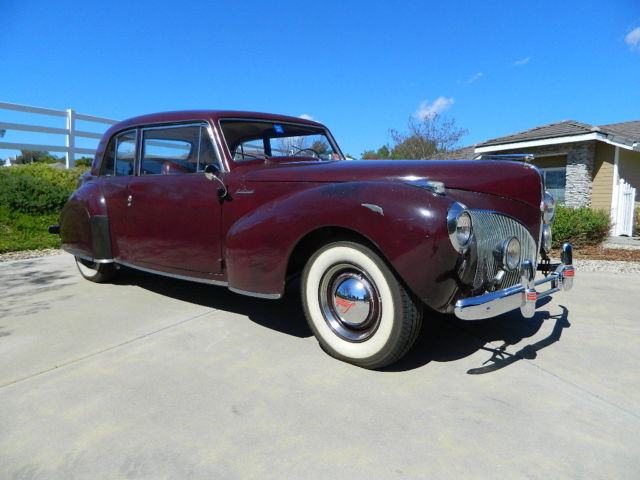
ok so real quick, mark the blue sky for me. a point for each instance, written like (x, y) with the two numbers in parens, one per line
(496, 67)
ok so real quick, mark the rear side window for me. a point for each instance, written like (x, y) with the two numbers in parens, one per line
(119, 158)
(176, 150)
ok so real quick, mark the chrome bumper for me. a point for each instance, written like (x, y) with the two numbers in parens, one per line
(523, 295)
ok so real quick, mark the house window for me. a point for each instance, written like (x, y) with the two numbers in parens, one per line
(555, 180)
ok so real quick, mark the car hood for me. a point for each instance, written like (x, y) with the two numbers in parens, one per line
(497, 177)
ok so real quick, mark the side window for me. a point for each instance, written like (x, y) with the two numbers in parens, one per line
(109, 159)
(125, 153)
(120, 155)
(176, 150)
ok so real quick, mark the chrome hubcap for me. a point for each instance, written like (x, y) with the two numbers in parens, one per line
(350, 302)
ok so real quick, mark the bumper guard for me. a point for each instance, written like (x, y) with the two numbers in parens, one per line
(523, 295)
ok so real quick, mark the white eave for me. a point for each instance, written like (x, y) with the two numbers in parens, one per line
(556, 141)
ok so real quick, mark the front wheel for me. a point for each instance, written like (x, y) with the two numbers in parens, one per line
(356, 307)
(96, 272)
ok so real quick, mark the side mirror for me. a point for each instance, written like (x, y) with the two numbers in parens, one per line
(212, 172)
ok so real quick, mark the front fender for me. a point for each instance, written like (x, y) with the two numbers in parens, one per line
(406, 224)
(84, 224)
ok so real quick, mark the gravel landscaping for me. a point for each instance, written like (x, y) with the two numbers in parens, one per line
(26, 254)
(606, 266)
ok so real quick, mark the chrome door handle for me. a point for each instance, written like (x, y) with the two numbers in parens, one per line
(129, 200)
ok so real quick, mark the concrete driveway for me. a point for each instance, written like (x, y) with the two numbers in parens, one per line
(158, 378)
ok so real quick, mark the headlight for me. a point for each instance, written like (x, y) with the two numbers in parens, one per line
(459, 226)
(546, 238)
(548, 208)
(510, 253)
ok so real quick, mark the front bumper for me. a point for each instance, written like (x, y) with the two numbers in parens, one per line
(523, 295)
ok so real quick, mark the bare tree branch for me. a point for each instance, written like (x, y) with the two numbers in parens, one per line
(426, 137)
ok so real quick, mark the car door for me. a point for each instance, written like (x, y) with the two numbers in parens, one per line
(117, 171)
(174, 211)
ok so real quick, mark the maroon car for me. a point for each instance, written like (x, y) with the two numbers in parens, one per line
(250, 201)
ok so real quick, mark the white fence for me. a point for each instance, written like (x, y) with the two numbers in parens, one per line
(70, 133)
(623, 213)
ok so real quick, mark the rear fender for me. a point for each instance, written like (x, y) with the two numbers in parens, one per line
(407, 225)
(84, 224)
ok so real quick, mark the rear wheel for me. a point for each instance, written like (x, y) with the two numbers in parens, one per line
(356, 307)
(96, 272)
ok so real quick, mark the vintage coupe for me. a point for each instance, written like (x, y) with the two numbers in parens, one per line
(251, 200)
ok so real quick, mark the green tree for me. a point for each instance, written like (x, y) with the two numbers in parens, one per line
(33, 156)
(414, 147)
(320, 147)
(426, 137)
(83, 162)
(381, 154)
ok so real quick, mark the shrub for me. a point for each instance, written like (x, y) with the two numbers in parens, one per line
(636, 222)
(61, 177)
(37, 188)
(581, 226)
(19, 231)
(31, 195)
(83, 162)
(32, 156)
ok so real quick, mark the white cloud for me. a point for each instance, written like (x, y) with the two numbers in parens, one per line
(633, 38)
(307, 117)
(473, 78)
(522, 61)
(428, 110)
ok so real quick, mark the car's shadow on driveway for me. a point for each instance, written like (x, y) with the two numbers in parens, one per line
(443, 338)
(284, 315)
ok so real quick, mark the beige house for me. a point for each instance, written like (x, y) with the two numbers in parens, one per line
(583, 165)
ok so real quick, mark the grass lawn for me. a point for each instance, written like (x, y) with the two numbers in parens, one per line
(19, 231)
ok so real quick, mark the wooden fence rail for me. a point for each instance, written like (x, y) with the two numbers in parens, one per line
(70, 133)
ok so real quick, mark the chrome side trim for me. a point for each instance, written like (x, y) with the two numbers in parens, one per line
(433, 186)
(523, 295)
(208, 281)
(269, 296)
(78, 254)
(374, 208)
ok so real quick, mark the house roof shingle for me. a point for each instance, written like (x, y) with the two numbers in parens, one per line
(464, 153)
(624, 132)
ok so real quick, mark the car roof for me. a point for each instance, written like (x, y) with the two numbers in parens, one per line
(212, 115)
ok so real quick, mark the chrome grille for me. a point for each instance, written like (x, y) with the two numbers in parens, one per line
(491, 228)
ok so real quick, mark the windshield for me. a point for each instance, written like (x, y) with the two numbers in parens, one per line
(250, 139)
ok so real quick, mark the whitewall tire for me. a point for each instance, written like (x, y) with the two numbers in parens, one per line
(356, 307)
(96, 272)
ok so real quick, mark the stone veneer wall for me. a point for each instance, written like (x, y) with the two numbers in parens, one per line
(580, 163)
